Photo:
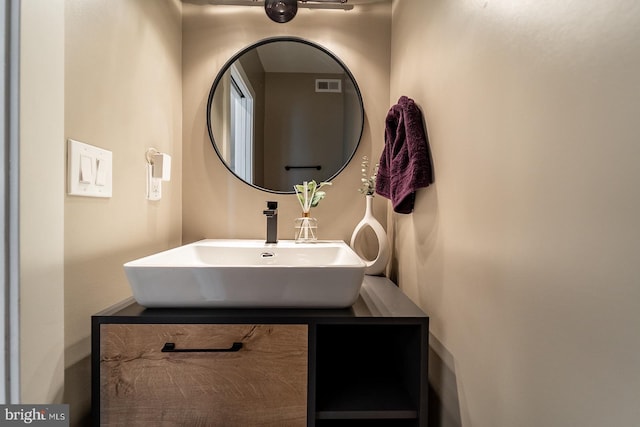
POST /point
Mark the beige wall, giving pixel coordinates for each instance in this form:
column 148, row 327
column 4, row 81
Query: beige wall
column 123, row 93
column 218, row 205
column 525, row 251
column 42, row 169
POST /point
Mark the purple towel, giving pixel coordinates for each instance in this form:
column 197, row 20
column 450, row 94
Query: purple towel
column 405, row 165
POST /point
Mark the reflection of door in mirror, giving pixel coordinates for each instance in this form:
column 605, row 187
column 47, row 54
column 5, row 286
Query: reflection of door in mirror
column 241, row 110
column 238, row 109
column 235, row 104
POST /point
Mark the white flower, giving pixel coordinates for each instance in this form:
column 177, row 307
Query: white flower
column 368, row 186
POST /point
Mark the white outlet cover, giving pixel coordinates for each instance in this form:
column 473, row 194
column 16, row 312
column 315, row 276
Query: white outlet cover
column 89, row 170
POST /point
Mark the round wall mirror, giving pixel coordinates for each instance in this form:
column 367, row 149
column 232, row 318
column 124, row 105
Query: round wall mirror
column 282, row 111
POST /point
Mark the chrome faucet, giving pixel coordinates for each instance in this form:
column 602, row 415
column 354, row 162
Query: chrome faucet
column 272, row 222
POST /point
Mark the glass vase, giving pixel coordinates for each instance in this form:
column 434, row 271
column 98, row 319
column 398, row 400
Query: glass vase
column 306, row 228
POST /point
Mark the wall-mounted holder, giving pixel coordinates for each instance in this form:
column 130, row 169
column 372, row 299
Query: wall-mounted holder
column 158, row 170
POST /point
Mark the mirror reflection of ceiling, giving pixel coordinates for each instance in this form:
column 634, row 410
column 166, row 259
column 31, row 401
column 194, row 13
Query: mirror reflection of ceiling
column 296, row 58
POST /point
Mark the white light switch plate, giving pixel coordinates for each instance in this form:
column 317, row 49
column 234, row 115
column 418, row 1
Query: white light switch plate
column 89, row 170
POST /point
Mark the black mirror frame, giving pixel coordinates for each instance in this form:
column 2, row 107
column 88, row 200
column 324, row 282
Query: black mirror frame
column 257, row 44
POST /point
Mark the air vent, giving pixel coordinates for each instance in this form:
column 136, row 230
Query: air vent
column 329, row 85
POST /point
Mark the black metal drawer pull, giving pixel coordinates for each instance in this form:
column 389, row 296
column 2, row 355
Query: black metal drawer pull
column 170, row 347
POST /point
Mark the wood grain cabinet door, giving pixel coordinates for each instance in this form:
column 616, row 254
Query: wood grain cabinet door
column 263, row 383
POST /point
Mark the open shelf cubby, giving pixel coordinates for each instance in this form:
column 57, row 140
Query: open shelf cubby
column 368, row 374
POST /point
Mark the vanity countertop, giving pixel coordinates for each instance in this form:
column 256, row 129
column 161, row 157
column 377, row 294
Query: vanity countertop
column 379, row 298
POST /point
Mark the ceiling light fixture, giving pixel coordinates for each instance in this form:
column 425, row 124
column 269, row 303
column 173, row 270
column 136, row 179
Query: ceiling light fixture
column 325, row 4
column 324, row 1
column 281, row 11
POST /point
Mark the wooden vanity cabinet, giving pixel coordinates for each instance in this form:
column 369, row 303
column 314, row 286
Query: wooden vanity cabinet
column 361, row 366
column 203, row 375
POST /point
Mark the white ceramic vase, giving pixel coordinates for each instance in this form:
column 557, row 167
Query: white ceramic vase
column 377, row 265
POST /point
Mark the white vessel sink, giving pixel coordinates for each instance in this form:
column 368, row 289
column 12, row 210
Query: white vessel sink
column 248, row 273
